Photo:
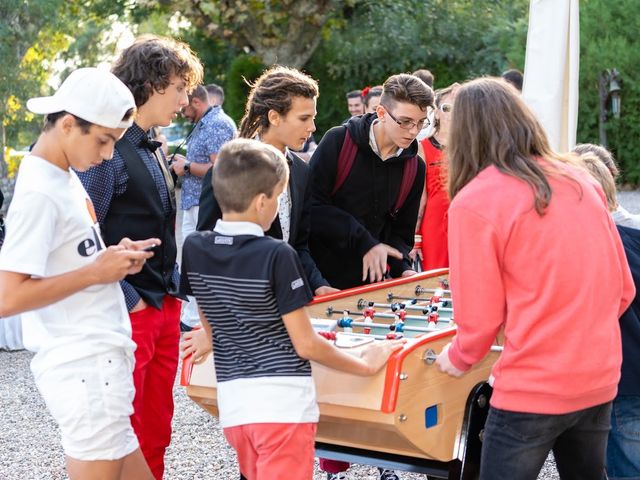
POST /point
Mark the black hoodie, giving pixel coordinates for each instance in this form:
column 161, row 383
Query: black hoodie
column 358, row 217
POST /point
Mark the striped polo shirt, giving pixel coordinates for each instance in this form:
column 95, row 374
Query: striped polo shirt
column 244, row 283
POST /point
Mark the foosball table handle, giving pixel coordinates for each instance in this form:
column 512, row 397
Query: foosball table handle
column 430, row 356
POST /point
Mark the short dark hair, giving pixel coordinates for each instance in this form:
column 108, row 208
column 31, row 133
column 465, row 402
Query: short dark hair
column 200, row 93
column 244, row 169
column 148, row 64
column 514, row 77
column 372, row 93
column 51, row 119
column 425, row 75
column 406, row 88
column 355, row 94
column 215, row 91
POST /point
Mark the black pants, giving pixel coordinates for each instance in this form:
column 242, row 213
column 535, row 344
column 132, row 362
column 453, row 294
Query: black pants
column 516, row 445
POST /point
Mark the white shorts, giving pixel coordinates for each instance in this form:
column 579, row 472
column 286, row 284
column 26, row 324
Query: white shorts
column 91, row 400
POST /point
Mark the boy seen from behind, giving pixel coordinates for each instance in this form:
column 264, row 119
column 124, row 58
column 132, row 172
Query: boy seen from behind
column 252, row 291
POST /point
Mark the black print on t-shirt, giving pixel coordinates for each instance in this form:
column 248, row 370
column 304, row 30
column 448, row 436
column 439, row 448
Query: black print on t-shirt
column 90, row 246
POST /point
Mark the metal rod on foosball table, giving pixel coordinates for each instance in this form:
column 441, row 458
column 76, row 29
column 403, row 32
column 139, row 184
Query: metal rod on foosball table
column 414, row 300
column 421, row 308
column 420, row 290
column 330, row 312
column 385, row 325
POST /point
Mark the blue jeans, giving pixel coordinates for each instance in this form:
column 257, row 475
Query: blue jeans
column 623, row 449
column 516, row 445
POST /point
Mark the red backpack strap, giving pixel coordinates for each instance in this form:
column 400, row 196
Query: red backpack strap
column 345, row 161
column 408, row 177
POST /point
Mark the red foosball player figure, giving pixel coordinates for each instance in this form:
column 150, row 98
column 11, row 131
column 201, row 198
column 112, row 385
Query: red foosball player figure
column 433, row 318
column 392, row 335
column 434, row 299
column 369, row 311
column 368, row 314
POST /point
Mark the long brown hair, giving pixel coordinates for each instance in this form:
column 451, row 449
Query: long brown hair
column 274, row 90
column 491, row 125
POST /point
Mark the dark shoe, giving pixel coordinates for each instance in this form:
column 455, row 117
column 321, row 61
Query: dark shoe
column 337, row 476
column 385, row 474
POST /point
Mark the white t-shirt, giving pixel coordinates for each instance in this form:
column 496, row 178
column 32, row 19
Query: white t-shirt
column 53, row 230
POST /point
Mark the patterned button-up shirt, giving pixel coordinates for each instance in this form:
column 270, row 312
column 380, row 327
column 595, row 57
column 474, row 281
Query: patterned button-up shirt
column 109, row 180
column 212, row 131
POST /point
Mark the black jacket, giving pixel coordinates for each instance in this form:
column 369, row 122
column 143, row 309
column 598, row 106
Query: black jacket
column 138, row 214
column 630, row 320
column 210, row 212
column 358, row 217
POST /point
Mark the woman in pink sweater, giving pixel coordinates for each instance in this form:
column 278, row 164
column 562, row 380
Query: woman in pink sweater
column 533, row 252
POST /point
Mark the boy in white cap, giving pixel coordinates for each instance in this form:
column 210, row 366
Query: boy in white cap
column 55, row 266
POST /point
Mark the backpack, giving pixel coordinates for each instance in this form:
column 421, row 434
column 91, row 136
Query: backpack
column 345, row 164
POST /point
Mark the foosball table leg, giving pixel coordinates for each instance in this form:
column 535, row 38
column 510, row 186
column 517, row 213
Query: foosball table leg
column 467, row 466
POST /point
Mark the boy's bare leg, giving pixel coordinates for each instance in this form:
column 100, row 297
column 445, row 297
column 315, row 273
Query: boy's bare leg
column 135, row 467
column 131, row 467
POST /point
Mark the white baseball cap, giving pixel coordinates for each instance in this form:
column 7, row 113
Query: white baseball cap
column 94, row 95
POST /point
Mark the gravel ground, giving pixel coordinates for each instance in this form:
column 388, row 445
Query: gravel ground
column 30, row 446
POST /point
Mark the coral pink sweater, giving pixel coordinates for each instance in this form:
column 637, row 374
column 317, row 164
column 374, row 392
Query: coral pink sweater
column 557, row 283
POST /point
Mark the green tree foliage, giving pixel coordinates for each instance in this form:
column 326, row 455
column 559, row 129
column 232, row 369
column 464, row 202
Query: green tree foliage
column 244, row 70
column 278, row 31
column 35, row 34
column 25, row 54
column 608, row 31
column 456, row 40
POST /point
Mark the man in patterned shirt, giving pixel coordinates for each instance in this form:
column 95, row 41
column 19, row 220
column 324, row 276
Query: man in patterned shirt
column 212, row 129
column 133, row 196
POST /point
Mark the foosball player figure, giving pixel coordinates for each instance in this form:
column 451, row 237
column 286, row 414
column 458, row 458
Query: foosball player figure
column 435, row 299
column 392, row 335
column 369, row 311
column 346, row 322
column 368, row 314
column 331, row 336
column 433, row 318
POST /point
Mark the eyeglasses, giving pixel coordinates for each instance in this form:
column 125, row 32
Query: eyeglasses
column 446, row 107
column 409, row 124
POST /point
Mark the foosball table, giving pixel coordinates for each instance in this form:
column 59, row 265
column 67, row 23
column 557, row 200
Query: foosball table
column 409, row 416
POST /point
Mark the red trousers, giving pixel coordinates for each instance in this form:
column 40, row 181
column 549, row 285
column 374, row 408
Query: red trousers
column 268, row 451
column 156, row 333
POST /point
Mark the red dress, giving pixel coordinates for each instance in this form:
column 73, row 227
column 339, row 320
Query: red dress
column 435, row 253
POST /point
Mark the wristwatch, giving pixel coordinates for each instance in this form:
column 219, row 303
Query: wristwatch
column 187, row 167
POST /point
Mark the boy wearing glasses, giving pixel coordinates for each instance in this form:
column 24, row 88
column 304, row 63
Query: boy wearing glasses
column 362, row 226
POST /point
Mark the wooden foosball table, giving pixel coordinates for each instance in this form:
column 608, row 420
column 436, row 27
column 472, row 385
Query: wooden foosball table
column 409, row 416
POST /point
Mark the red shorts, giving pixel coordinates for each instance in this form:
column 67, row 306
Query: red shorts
column 274, row 450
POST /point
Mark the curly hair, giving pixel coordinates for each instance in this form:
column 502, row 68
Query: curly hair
column 148, row 65
column 274, row 90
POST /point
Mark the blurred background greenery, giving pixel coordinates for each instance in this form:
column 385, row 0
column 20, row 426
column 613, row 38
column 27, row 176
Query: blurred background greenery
column 344, row 44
